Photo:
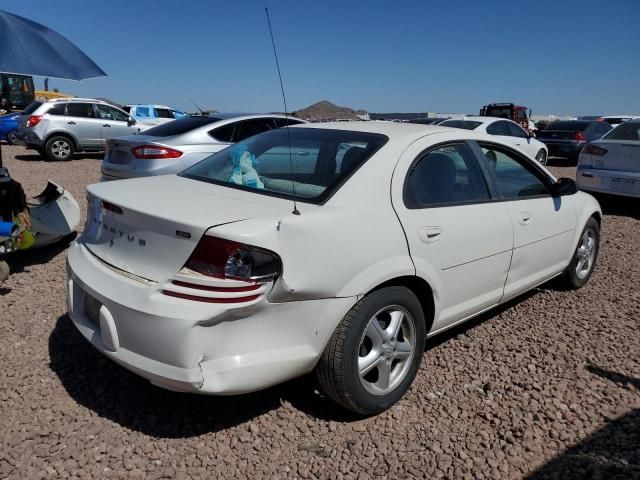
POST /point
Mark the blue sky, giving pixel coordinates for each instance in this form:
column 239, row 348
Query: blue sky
column 566, row 57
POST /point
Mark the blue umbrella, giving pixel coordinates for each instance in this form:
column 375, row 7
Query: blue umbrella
column 28, row 48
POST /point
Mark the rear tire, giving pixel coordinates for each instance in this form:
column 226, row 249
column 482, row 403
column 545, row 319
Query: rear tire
column 541, row 157
column 373, row 355
column 581, row 267
column 12, row 137
column 59, row 148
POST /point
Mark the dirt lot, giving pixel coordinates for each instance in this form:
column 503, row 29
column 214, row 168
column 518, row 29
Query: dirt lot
column 545, row 387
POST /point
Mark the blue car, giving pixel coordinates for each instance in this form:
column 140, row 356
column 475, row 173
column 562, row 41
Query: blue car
column 9, row 127
column 155, row 114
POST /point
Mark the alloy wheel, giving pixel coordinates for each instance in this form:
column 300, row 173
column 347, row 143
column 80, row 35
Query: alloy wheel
column 586, row 253
column 386, row 350
column 61, row 149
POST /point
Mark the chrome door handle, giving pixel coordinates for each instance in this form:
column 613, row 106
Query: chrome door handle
column 430, row 234
column 525, row 218
column 71, row 123
column 106, row 125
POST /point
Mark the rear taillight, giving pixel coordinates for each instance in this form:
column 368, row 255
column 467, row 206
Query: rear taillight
column 149, row 152
column 33, row 120
column 579, row 136
column 225, row 259
column 594, row 150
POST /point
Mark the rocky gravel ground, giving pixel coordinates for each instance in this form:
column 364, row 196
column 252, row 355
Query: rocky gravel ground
column 544, row 387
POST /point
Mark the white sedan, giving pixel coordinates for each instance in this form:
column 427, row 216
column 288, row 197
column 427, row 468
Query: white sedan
column 335, row 248
column 505, row 131
column 612, row 163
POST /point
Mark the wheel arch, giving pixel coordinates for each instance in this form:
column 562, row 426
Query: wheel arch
column 62, row 134
column 421, row 289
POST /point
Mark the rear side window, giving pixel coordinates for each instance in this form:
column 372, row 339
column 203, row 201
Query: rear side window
column 515, row 130
column 224, row 133
column 84, row 110
column 32, row 107
column 249, row 128
column 513, row 178
column 445, row 176
column 180, row 126
column 57, row 109
column 499, row 128
column 464, row 124
column 282, row 122
column 625, row 131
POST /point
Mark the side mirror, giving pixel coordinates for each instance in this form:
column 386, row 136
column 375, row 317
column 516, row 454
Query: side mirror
column 564, row 186
column 131, row 121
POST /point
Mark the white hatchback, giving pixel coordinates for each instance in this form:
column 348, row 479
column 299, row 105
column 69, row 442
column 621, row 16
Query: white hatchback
column 330, row 247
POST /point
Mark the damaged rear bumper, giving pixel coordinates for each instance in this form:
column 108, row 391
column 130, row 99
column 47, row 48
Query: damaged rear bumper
column 192, row 346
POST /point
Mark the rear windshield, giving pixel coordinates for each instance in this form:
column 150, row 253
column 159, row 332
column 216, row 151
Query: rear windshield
column 625, row 131
column 616, row 120
column 32, row 107
column 180, row 126
column 569, row 126
column 302, row 163
column 466, row 124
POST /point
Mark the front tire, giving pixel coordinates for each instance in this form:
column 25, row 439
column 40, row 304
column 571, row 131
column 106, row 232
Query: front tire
column 373, row 355
column 584, row 258
column 59, row 148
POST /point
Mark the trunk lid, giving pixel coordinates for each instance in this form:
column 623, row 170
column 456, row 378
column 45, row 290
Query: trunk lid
column 622, row 156
column 151, row 225
column 119, row 149
column 553, row 135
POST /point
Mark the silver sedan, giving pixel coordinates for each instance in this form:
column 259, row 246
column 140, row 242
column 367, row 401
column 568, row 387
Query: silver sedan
column 174, row 146
column 612, row 163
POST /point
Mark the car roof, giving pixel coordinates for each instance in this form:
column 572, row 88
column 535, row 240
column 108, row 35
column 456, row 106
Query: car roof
column 480, row 118
column 393, row 130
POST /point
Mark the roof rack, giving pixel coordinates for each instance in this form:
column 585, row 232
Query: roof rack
column 76, row 99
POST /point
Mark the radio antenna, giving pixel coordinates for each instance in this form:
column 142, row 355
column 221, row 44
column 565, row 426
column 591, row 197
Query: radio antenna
column 286, row 112
column 202, row 112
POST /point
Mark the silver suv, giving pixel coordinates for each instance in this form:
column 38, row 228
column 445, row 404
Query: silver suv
column 59, row 128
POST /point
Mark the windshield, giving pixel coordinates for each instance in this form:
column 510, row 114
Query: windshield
column 315, row 165
column 179, row 126
column 501, row 112
column 465, row 124
column 625, row 131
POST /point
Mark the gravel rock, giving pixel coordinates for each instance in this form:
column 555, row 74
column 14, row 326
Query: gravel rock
column 547, row 386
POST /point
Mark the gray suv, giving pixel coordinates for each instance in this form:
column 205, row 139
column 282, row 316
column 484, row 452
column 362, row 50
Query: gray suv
column 59, row 128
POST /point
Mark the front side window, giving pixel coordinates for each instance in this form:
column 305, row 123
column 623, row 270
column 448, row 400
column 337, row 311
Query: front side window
column 625, row 131
column 499, row 128
column 142, row 112
column 163, row 113
column 83, row 110
column 107, row 112
column 447, row 175
column 516, row 130
column 512, row 179
column 300, row 163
